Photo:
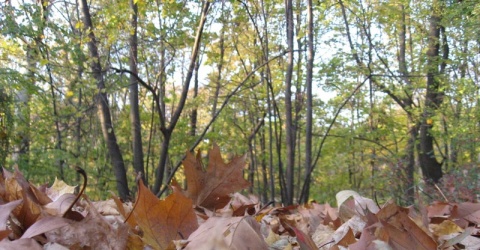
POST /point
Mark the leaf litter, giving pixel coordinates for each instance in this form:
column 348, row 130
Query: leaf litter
column 212, row 214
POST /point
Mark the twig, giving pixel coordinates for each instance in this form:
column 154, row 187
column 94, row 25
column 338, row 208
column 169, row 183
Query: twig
column 439, row 190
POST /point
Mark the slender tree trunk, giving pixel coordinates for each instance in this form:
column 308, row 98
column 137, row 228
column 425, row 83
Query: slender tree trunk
column 409, row 167
column 5, row 125
column 289, row 125
column 304, row 196
column 273, row 132
column 168, row 130
column 431, row 168
column 136, row 130
column 194, row 114
column 103, row 110
column 265, row 171
column 218, row 81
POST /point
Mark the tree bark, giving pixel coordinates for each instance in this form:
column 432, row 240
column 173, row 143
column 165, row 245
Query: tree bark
column 133, row 97
column 431, row 167
column 304, row 196
column 289, row 125
column 103, row 110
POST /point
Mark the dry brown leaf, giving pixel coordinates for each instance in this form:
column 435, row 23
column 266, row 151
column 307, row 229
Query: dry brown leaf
column 126, row 215
column 313, row 215
column 241, row 205
column 59, row 188
column 331, row 217
column 30, row 190
column 228, row 233
column 44, row 225
column 400, row 231
column 211, row 187
column 304, row 240
column 164, row 221
column 60, row 205
column 439, row 209
column 28, row 243
column 467, row 211
column 365, row 242
column 347, row 239
column 4, row 234
column 13, row 190
column 94, row 231
column 5, row 211
column 246, row 235
column 29, row 213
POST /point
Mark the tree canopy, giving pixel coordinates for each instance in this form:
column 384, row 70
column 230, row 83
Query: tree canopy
column 377, row 96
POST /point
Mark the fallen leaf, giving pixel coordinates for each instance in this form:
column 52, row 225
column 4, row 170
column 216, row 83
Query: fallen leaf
column 348, row 239
column 304, row 240
column 467, row 211
column 164, row 221
column 5, row 211
column 28, row 243
column 366, row 242
column 400, row 231
column 121, row 209
column 60, row 205
column 457, row 239
column 439, row 209
column 211, row 187
column 361, row 203
column 92, row 232
column 444, row 228
column 44, row 225
column 246, row 235
column 4, row 234
column 59, row 188
column 228, row 233
column 29, row 213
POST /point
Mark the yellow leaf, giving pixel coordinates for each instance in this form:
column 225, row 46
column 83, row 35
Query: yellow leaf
column 445, row 228
column 69, row 94
column 79, row 25
column 43, row 62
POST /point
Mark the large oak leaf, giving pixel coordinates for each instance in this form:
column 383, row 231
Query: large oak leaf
column 211, row 187
column 164, row 221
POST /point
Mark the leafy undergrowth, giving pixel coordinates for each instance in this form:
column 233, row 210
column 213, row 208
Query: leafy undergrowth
column 211, row 214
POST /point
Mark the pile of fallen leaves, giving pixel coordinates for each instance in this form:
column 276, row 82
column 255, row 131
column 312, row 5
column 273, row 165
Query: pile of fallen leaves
column 211, row 214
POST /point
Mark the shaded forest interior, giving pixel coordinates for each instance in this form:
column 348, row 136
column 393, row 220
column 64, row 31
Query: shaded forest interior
column 381, row 97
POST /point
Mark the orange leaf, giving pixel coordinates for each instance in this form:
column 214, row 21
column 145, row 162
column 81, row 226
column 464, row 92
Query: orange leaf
column 164, row 221
column 211, row 188
column 468, row 211
column 401, row 231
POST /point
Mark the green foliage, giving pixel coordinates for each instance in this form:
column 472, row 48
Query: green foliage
column 365, row 148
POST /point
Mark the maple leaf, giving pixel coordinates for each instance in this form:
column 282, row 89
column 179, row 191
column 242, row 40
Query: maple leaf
column 5, row 210
column 227, row 233
column 211, row 187
column 94, row 231
column 58, row 188
column 400, row 231
column 164, row 221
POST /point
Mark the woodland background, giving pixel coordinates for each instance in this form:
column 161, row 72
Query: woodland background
column 377, row 96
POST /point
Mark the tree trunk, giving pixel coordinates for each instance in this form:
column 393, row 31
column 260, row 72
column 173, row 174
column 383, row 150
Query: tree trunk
column 133, row 96
column 265, row 171
column 304, row 196
column 289, row 126
column 168, row 130
column 103, row 110
column 431, row 168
